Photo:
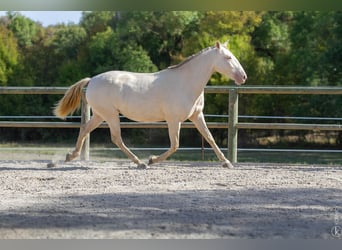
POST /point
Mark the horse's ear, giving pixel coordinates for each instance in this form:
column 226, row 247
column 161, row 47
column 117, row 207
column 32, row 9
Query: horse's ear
column 218, row 45
column 226, row 43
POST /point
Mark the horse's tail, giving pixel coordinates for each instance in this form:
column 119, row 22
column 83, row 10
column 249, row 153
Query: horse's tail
column 71, row 99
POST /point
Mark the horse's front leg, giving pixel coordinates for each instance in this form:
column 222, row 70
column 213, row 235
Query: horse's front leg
column 198, row 120
column 174, row 128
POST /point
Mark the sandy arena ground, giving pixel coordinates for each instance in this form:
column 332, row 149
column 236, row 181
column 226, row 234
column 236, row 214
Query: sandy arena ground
column 113, row 199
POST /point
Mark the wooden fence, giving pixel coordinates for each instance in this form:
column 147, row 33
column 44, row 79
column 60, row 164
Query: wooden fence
column 232, row 124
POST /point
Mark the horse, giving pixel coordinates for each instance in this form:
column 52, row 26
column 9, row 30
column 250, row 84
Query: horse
column 174, row 95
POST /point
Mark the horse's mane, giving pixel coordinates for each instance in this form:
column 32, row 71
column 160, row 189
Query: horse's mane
column 190, row 58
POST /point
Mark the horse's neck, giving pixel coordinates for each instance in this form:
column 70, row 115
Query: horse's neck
column 197, row 72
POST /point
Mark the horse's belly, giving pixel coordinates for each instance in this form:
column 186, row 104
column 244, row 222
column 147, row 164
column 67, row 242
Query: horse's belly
column 143, row 112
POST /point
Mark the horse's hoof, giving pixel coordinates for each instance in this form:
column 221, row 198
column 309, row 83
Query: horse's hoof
column 51, row 164
column 68, row 157
column 142, row 166
column 152, row 159
column 227, row 164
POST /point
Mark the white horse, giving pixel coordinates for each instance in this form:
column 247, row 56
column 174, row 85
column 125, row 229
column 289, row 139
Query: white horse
column 172, row 95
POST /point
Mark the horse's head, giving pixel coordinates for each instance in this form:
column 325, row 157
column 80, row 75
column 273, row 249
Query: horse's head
column 228, row 65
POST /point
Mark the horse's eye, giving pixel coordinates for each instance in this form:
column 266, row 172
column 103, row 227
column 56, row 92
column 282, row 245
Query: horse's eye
column 228, row 57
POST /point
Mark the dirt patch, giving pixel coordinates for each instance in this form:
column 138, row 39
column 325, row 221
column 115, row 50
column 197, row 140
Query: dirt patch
column 113, row 199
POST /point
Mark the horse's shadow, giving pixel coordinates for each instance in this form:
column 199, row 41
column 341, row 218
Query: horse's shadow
column 43, row 169
column 43, row 166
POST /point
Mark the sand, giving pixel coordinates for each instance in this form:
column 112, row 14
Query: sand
column 112, row 199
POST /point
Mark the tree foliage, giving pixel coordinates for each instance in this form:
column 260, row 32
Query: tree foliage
column 24, row 28
column 274, row 47
column 8, row 54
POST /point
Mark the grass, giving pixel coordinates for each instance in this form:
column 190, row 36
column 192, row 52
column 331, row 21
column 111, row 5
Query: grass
column 257, row 157
column 98, row 152
column 291, row 157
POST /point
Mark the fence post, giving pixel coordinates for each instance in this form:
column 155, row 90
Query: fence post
column 232, row 130
column 85, row 117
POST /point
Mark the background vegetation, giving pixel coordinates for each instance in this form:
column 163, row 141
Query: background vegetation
column 275, row 48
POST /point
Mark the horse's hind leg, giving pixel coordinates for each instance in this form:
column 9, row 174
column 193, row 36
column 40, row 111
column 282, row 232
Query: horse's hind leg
column 115, row 131
column 93, row 123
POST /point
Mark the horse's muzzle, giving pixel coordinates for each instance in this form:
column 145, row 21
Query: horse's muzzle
column 241, row 79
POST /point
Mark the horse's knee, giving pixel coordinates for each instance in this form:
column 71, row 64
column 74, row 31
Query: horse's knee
column 174, row 144
column 174, row 148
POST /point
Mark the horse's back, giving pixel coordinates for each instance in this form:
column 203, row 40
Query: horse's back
column 134, row 95
column 112, row 82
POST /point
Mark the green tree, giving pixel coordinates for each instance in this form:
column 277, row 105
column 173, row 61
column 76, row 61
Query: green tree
column 67, row 40
column 160, row 33
column 67, row 45
column 97, row 21
column 237, row 27
column 9, row 54
column 315, row 60
column 102, row 48
column 24, row 28
column 135, row 58
column 108, row 52
column 319, row 44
